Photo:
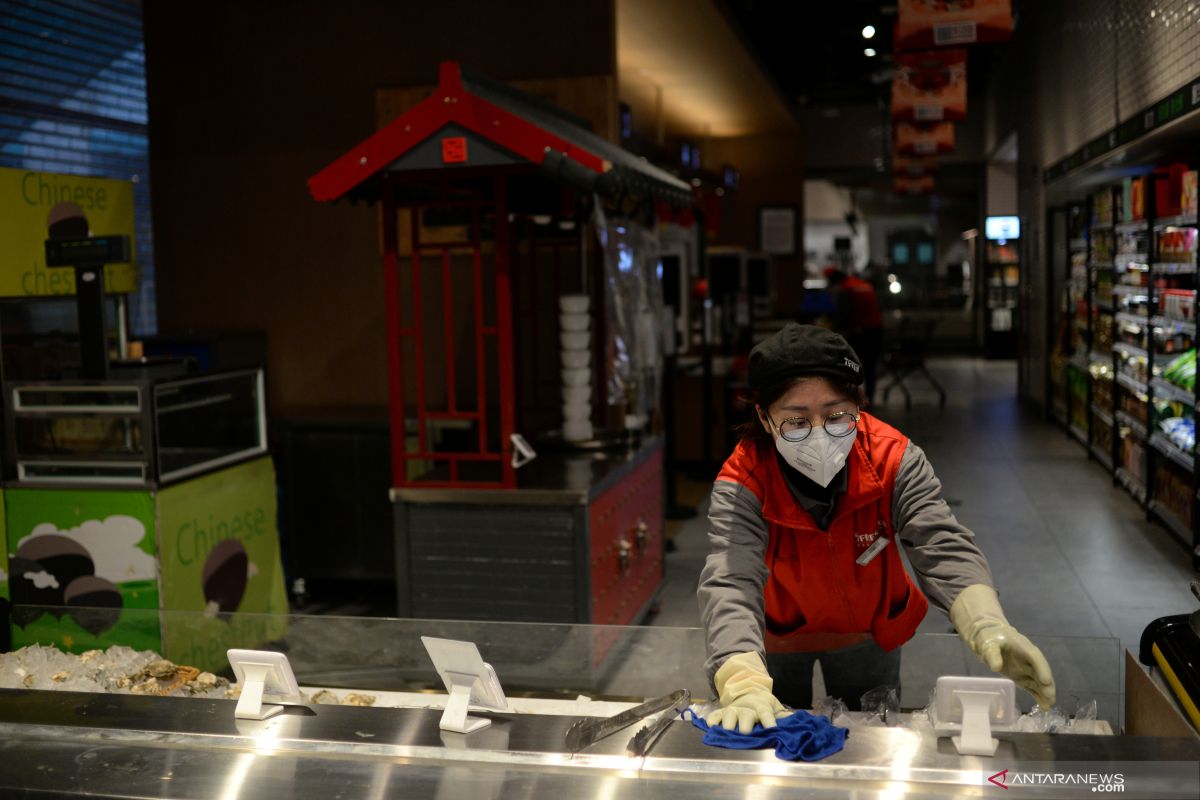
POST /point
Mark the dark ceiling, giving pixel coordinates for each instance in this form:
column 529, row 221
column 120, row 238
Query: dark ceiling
column 814, row 49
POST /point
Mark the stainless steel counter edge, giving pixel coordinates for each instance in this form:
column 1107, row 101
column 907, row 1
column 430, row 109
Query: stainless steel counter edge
column 531, row 742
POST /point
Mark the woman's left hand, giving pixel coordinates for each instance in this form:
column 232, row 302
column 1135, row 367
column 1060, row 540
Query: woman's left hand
column 982, row 625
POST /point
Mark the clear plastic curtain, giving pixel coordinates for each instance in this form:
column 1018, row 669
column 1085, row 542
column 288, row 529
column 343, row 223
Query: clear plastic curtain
column 633, row 278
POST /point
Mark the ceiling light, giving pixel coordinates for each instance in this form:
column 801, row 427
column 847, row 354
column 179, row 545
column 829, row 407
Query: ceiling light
column 869, row 52
column 869, row 32
column 894, row 288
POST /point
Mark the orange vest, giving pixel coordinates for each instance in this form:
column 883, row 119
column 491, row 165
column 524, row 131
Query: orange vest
column 816, row 596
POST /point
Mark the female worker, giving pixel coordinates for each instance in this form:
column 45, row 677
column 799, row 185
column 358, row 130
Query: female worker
column 806, row 523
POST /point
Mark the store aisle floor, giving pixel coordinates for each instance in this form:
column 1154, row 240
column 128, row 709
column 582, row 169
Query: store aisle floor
column 1071, row 554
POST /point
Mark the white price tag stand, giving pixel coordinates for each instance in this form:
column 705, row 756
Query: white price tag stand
column 260, row 673
column 469, row 680
column 972, row 707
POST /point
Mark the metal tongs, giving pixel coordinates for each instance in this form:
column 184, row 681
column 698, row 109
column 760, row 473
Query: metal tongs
column 587, row 732
column 645, row 738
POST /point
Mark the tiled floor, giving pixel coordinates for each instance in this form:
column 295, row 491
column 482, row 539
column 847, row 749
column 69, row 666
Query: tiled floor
column 1072, row 555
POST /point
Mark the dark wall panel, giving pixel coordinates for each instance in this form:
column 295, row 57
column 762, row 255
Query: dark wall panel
column 247, row 100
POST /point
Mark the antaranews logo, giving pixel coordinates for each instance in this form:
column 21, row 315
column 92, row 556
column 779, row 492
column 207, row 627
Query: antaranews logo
column 1098, row 782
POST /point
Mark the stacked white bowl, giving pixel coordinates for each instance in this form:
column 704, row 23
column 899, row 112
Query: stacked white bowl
column 576, row 340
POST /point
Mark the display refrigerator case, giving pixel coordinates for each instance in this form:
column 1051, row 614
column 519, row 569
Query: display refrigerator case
column 140, row 432
column 1002, row 287
column 1129, row 355
column 142, row 492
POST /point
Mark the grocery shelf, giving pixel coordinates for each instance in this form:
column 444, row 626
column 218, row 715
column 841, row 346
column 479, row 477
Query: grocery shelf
column 1130, row 350
column 1174, row 268
column 1187, row 326
column 1102, row 226
column 1079, row 433
column 1102, row 306
column 1102, row 415
column 1135, row 425
column 1078, row 362
column 1126, row 318
column 1121, row 290
column 1131, row 484
column 1169, row 449
column 1168, row 518
column 1163, row 388
column 1096, row 357
column 1078, row 244
column 1101, row 456
column 1181, row 221
column 1130, row 227
column 1101, row 265
column 1131, row 383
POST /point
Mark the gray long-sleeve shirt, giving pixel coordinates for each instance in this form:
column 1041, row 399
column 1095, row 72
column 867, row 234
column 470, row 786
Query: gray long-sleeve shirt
column 941, row 551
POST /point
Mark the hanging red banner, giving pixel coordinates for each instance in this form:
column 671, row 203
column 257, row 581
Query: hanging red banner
column 924, row 138
column 903, row 184
column 930, row 86
column 913, row 167
column 943, row 23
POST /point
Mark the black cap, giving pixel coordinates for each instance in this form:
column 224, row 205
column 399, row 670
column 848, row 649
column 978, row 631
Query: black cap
column 798, row 351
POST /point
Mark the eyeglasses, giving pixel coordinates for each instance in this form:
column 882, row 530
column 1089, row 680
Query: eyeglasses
column 797, row 429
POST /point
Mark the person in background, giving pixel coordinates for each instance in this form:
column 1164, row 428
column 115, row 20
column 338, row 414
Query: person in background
column 807, row 519
column 858, row 318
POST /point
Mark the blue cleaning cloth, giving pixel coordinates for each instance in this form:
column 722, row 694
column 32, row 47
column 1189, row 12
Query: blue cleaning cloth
column 799, row 737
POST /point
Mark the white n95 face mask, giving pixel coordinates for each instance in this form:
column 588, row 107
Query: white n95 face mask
column 820, row 456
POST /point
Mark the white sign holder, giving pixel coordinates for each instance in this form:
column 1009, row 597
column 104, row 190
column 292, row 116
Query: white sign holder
column 972, row 706
column 262, row 672
column 469, row 680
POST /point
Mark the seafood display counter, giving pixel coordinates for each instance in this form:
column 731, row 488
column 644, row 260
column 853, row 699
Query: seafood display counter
column 384, row 739
column 125, row 746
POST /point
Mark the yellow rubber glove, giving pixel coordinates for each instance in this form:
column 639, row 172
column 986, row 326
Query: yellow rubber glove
column 980, row 622
column 744, row 689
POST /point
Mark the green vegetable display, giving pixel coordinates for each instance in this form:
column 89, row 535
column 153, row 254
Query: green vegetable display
column 1182, row 371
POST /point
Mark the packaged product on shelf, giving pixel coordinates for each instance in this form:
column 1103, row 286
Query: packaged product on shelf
column 1167, row 409
column 1181, row 431
column 1137, row 198
column 1182, row 370
column 1102, row 209
column 1177, row 303
column 1134, row 405
column 1177, row 245
column 1173, row 490
column 1102, row 338
column 1133, row 457
column 1102, row 436
column 1188, row 201
column 1168, row 189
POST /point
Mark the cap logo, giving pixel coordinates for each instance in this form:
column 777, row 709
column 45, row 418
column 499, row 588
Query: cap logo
column 852, row 365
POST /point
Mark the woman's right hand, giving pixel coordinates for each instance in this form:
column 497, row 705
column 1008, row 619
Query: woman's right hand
column 744, row 689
